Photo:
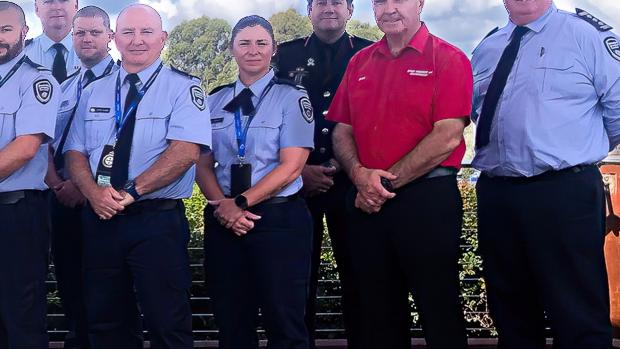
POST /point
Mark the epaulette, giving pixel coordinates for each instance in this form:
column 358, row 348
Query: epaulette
column 597, row 23
column 219, row 88
column 291, row 42
column 36, row 66
column 77, row 72
column 280, row 81
column 28, row 42
column 486, row 36
column 184, row 73
column 361, row 40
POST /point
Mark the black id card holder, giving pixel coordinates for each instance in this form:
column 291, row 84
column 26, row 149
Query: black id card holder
column 104, row 168
column 240, row 178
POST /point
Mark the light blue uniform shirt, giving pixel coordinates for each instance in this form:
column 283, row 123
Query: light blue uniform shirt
column 173, row 108
column 40, row 51
column 281, row 121
column 28, row 106
column 561, row 104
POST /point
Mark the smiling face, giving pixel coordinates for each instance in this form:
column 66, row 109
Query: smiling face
column 139, row 37
column 398, row 17
column 56, row 15
column 522, row 12
column 252, row 49
column 12, row 34
column 90, row 40
column 329, row 15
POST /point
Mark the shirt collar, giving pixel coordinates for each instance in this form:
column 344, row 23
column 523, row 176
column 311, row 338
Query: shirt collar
column 417, row 42
column 145, row 74
column 537, row 26
column 6, row 67
column 47, row 43
column 257, row 87
column 100, row 67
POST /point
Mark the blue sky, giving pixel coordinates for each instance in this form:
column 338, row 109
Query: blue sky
column 462, row 22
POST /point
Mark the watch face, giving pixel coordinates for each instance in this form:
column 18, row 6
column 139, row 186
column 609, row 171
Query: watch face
column 128, row 185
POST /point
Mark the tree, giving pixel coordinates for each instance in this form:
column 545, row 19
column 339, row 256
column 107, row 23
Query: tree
column 364, row 30
column 200, row 47
column 289, row 25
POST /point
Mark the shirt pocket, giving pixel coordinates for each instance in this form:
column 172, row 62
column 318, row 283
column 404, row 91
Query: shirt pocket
column 152, row 126
column 555, row 76
column 264, row 139
column 97, row 128
column 224, row 140
column 8, row 110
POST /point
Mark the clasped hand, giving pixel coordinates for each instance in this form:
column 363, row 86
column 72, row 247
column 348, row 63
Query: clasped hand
column 107, row 202
column 371, row 195
column 229, row 215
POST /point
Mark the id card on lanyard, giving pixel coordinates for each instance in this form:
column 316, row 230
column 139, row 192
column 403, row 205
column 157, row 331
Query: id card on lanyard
column 104, row 167
column 241, row 172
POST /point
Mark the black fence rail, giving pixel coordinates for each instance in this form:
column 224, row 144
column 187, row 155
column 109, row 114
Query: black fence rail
column 329, row 317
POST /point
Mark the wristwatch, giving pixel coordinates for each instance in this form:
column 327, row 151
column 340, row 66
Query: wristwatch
column 130, row 188
column 241, row 202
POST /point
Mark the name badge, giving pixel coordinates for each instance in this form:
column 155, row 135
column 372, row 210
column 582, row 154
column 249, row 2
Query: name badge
column 104, row 169
column 240, row 178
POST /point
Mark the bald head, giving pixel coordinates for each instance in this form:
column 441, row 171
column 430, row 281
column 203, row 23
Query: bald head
column 135, row 11
column 139, row 37
column 19, row 12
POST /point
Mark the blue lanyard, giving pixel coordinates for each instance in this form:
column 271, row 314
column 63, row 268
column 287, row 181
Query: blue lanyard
column 118, row 115
column 242, row 132
column 12, row 71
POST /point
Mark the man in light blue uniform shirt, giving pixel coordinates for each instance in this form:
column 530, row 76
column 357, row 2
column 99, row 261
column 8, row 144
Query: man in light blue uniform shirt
column 28, row 104
column 92, row 35
column 547, row 108
column 134, row 162
column 53, row 49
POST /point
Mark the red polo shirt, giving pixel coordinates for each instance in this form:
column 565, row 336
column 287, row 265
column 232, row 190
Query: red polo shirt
column 393, row 102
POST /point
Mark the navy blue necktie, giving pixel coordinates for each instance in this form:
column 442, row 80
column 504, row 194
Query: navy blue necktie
column 496, row 87
column 89, row 76
column 243, row 101
column 122, row 149
column 59, row 67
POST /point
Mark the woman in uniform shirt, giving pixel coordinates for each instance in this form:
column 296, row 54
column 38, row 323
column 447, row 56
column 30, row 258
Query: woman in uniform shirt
column 258, row 231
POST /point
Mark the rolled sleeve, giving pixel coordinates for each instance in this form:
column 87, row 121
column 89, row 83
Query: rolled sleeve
column 297, row 123
column 38, row 112
column 190, row 119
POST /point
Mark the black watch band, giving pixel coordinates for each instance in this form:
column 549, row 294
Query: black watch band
column 130, row 188
column 241, row 202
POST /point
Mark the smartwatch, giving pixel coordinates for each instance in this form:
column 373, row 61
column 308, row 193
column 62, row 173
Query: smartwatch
column 241, row 202
column 130, row 188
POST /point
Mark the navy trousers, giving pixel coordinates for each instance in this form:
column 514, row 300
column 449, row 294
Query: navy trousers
column 24, row 246
column 541, row 240
column 267, row 269
column 143, row 256
column 67, row 256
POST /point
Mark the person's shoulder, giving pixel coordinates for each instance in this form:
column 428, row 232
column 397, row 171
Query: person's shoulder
column 221, row 88
column 448, row 51
column 585, row 21
column 36, row 69
column 360, row 42
column 180, row 75
column 292, row 45
column 288, row 84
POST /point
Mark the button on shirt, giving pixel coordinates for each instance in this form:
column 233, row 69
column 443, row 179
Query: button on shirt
column 392, row 102
column 40, row 51
column 172, row 109
column 279, row 123
column 561, row 104
column 28, row 105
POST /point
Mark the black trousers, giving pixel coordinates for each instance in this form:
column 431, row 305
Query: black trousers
column 541, row 240
column 24, row 246
column 145, row 251
column 67, row 256
column 411, row 245
column 267, row 269
column 332, row 206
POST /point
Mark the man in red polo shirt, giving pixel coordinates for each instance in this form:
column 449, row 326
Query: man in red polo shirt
column 402, row 107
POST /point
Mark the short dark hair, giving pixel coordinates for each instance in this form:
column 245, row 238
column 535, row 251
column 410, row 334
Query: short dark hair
column 91, row 12
column 349, row 2
column 252, row 21
column 6, row 5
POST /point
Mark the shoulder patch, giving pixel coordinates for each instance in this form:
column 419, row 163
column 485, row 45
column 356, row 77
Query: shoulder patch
column 43, row 90
column 306, row 109
column 198, row 97
column 597, row 23
column 613, row 47
column 180, row 72
column 28, row 42
column 280, row 81
column 36, row 66
column 219, row 88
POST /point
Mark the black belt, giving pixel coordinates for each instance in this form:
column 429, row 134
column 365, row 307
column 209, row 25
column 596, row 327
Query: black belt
column 13, row 197
column 151, row 205
column 544, row 175
column 274, row 200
